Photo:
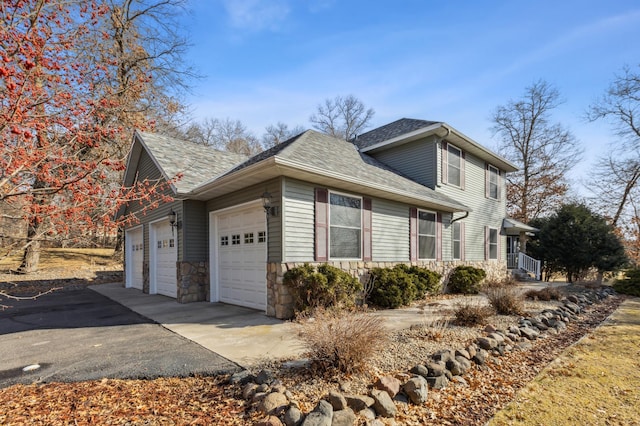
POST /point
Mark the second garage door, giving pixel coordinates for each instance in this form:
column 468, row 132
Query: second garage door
column 242, row 256
column 164, row 255
column 135, row 258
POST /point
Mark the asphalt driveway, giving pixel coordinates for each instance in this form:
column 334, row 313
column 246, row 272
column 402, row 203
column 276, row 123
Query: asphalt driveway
column 82, row 335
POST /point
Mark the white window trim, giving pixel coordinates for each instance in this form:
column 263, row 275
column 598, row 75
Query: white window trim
column 435, row 235
column 453, row 240
column 449, row 145
column 497, row 243
column 344, row 194
column 497, row 170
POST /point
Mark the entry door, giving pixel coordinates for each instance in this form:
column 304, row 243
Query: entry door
column 135, row 258
column 165, row 250
column 242, row 255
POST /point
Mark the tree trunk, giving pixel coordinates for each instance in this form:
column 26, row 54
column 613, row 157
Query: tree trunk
column 119, row 241
column 31, row 254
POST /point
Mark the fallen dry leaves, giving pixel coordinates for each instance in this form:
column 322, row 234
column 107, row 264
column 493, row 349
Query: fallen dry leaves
column 208, row 401
column 173, row 401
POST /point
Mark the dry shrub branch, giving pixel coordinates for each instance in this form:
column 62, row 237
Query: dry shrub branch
column 342, row 340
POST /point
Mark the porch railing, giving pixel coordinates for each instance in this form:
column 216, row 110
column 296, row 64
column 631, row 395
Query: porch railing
column 529, row 264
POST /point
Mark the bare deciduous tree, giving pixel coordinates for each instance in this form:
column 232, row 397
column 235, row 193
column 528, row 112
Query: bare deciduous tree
column 543, row 151
column 280, row 132
column 615, row 181
column 342, row 117
column 225, row 135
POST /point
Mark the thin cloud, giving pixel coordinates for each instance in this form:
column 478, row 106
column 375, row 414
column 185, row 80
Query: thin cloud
column 257, row 15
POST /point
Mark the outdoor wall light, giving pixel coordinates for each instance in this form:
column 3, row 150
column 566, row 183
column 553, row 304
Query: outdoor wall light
column 267, row 203
column 173, row 219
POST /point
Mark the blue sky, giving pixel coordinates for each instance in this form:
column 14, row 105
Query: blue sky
column 266, row 61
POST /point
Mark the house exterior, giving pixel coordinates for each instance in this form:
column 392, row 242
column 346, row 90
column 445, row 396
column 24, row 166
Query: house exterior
column 413, row 191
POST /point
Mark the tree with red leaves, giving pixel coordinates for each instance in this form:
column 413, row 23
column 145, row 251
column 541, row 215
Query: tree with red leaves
column 75, row 78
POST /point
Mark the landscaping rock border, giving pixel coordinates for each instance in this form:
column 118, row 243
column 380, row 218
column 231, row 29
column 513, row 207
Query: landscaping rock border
column 438, row 370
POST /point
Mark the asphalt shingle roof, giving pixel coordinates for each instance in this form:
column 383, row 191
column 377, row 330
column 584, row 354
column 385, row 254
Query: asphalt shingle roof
column 391, row 130
column 340, row 157
column 197, row 163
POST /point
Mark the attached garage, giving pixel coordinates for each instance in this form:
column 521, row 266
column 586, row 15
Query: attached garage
column 134, row 257
column 240, row 256
column 163, row 258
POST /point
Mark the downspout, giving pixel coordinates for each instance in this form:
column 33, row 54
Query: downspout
column 466, row 214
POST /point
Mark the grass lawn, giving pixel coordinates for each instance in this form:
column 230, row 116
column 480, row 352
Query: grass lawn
column 595, row 382
column 70, row 258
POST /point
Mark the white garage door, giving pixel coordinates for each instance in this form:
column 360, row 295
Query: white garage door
column 135, row 258
column 242, row 256
column 163, row 260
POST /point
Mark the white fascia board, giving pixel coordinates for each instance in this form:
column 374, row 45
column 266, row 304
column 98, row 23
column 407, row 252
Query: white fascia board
column 406, row 137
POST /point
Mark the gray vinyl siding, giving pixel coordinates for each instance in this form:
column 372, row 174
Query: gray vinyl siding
column 195, row 228
column 298, row 219
column 416, row 160
column 254, row 193
column 485, row 211
column 148, row 170
column 390, row 231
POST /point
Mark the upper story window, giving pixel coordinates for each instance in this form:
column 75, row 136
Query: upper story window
column 345, row 233
column 454, row 165
column 426, row 235
column 493, row 179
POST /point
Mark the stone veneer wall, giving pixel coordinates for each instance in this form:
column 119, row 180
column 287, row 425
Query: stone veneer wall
column 280, row 301
column 145, row 277
column 193, row 282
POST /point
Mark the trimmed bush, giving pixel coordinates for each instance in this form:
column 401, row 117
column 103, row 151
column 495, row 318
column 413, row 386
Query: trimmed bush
column 342, row 340
column 401, row 285
column 506, row 301
column 466, row 280
column 630, row 284
column 546, row 294
column 326, row 287
column 469, row 314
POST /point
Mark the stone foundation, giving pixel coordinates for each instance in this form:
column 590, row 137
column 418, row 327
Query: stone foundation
column 193, row 282
column 280, row 301
column 145, row 277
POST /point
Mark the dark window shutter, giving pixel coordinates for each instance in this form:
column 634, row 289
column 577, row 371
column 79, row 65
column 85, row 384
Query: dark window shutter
column 486, row 243
column 413, row 234
column 366, row 230
column 445, row 168
column 487, row 182
column 462, row 241
column 322, row 224
column 438, row 236
column 463, row 166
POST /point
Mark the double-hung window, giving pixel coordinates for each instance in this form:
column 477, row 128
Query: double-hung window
column 345, row 233
column 454, row 165
column 426, row 235
column 492, row 182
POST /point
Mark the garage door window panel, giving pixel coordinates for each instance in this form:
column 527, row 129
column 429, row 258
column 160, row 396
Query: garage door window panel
column 345, row 233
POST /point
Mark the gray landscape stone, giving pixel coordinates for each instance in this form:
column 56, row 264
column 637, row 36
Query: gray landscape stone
column 417, row 389
column 436, row 368
column 383, row 405
column 486, row 343
column 439, row 382
column 420, row 370
column 273, row 402
column 359, row 402
column 337, row 400
column 322, row 415
column 344, row 417
column 481, row 357
column 293, row 416
column 264, row 377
